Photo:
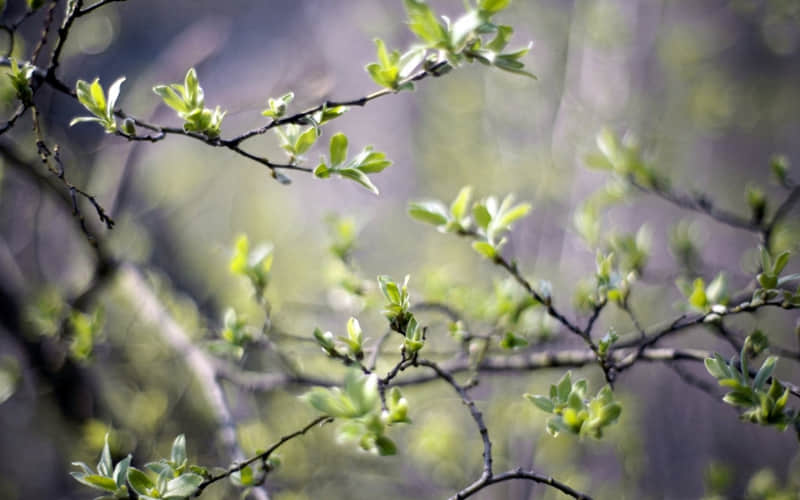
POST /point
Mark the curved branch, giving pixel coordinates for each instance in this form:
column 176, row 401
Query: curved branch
column 262, row 457
column 699, row 204
column 521, row 474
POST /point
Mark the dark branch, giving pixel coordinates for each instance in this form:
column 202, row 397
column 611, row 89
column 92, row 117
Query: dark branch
column 262, row 457
column 522, row 474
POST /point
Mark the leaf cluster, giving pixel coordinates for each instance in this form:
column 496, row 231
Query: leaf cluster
column 358, row 404
column 188, row 100
column 472, row 37
column 489, row 218
column 761, row 403
column 93, row 98
column 235, row 335
column 256, row 264
column 349, row 348
column 21, row 80
column 356, row 168
column 573, row 412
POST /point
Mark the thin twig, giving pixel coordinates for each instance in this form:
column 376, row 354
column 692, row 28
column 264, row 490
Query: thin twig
column 89, row 8
column 699, row 204
column 519, row 473
column 262, row 457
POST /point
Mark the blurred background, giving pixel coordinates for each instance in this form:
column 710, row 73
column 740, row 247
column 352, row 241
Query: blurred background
column 710, row 89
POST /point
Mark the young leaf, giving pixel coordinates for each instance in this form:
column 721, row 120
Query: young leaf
column 360, row 177
column 430, row 212
column 423, row 23
column 306, row 140
column 183, row 486
column 178, row 453
column 493, row 6
column 764, row 372
column 484, row 248
column 338, row 149
column 458, row 209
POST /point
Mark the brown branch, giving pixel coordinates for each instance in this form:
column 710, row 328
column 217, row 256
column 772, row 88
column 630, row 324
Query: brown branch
column 51, row 158
column 522, row 474
column 262, row 457
column 48, row 21
column 49, row 77
column 63, row 33
column 302, row 117
column 699, row 203
column 476, row 416
column 781, row 212
column 571, row 358
column 89, row 8
column 21, row 110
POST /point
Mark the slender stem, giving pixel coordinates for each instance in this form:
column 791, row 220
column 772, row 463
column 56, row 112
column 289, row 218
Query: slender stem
column 90, row 8
column 521, row 474
column 262, row 457
column 699, row 204
column 474, row 412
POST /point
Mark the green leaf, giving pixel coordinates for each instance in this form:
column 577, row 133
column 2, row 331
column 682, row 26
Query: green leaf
column 766, row 260
column 698, row 297
column 484, row 248
column 139, row 481
column 243, row 477
column 171, row 99
column 384, row 59
column 430, row 212
column 541, row 402
column 713, row 367
column 389, row 289
column 338, row 149
column 183, row 485
column 564, row 386
column 327, row 114
column 738, row 399
column 511, row 341
column 329, row 403
column 325, row 340
column 379, row 76
column 493, row 6
column 159, row 468
column 458, row 209
column 178, row 453
column 98, row 98
column 555, row 426
column 322, row 171
column 354, row 334
column 306, row 140
column 512, row 215
column 121, row 471
column 717, row 290
column 423, row 23
column 780, row 167
column 362, row 391
column 373, row 162
column 113, row 95
column 95, row 481
column 105, row 466
column 764, row 372
column 481, row 215
column 780, row 262
column 84, row 119
column 464, row 27
column 501, row 39
column 385, row 446
column 360, row 177
column 409, row 61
